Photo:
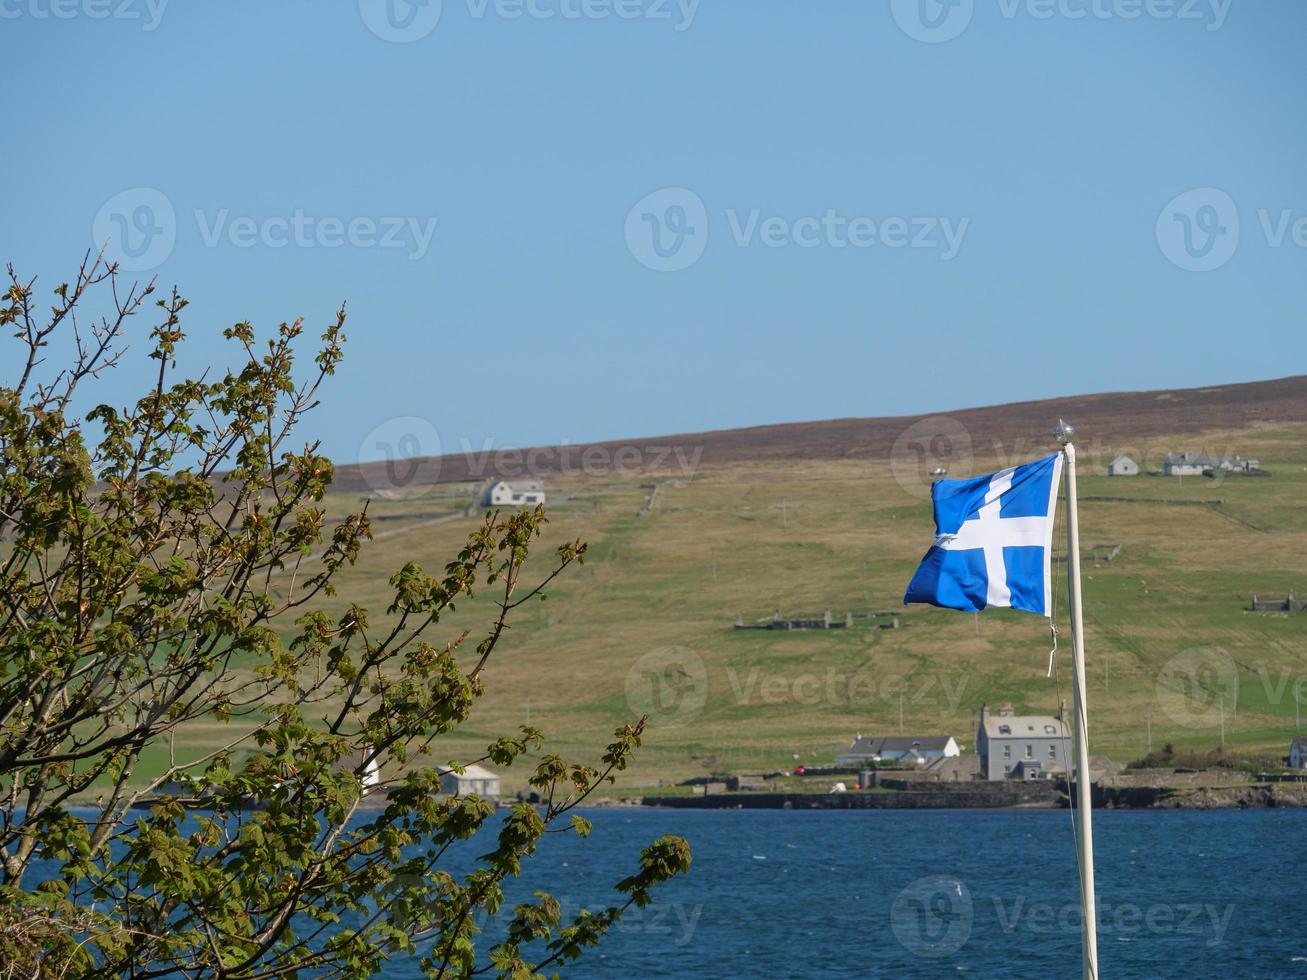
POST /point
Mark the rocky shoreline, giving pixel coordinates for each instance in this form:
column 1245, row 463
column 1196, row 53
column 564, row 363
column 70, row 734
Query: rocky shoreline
column 1197, row 790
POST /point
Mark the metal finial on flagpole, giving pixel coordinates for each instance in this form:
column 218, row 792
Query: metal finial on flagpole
column 1085, row 838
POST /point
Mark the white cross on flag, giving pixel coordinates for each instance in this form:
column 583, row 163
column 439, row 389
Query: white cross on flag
column 993, row 541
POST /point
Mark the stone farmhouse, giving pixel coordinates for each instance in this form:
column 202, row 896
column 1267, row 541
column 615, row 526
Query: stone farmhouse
column 1021, row 746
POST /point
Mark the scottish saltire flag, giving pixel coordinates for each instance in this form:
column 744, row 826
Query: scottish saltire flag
column 993, row 541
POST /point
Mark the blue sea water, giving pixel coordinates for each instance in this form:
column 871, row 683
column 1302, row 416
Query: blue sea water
column 945, row 893
column 932, row 893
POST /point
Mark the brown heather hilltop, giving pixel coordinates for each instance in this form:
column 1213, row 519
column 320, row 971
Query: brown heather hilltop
column 1120, row 419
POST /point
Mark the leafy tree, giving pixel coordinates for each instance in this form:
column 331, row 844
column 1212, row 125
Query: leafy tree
column 165, row 563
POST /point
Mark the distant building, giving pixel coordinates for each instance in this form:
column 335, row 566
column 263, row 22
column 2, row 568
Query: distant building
column 1288, row 604
column 520, row 493
column 1196, row 464
column 1006, row 741
column 473, row 781
column 1123, row 465
column 366, row 760
column 1298, row 753
column 899, row 748
column 1187, row 464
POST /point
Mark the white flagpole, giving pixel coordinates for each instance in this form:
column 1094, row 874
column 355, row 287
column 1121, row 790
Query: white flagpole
column 1085, row 837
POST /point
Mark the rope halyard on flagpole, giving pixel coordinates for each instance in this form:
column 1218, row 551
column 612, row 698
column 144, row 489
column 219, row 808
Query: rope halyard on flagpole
column 1052, row 628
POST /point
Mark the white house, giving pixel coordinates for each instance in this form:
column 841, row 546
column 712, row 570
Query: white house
column 1298, row 753
column 520, row 493
column 1195, row 464
column 1123, row 465
column 473, row 781
column 1188, row 464
column 899, row 748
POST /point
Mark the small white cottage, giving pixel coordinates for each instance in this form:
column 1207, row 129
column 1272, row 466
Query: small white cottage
column 1123, row 465
column 474, row 780
column 521, row 493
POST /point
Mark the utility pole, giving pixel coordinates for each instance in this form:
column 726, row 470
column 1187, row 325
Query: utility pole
column 1148, row 720
column 900, row 712
column 1222, row 721
column 1107, row 670
column 785, row 513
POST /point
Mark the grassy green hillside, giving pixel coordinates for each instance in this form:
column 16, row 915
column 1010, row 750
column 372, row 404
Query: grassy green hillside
column 647, row 624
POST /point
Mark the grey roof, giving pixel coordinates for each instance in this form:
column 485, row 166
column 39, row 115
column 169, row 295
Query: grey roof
column 898, row 743
column 1025, row 726
column 472, row 771
column 524, row 486
column 1192, row 459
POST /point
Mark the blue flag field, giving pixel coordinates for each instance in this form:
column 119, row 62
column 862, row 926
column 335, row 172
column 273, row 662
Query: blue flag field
column 993, row 541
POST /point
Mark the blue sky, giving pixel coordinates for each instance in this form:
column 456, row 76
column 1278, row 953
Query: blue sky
column 565, row 220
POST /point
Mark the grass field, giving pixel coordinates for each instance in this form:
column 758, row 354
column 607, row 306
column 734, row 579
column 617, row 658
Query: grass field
column 646, row 625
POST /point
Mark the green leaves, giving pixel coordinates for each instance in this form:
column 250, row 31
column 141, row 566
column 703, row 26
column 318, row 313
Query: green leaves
column 581, row 825
column 163, row 566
